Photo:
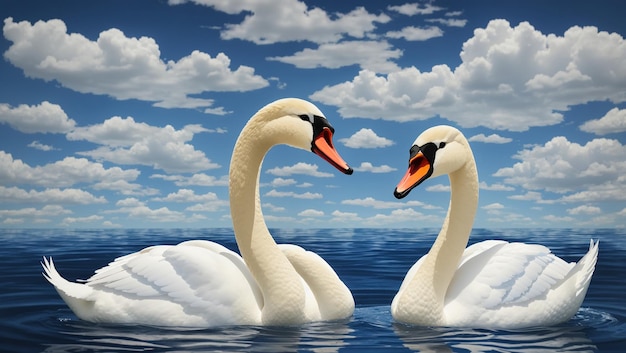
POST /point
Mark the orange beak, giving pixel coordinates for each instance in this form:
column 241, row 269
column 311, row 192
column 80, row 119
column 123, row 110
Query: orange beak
column 420, row 168
column 323, row 147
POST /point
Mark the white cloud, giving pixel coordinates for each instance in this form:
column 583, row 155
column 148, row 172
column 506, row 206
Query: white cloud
column 125, row 188
column 121, row 67
column 366, row 138
column 49, row 196
column 557, row 219
column 412, row 33
column 306, row 195
column 493, row 138
column 450, row 22
column 529, row 196
column 412, row 9
column 273, row 207
column 197, row 179
column 493, row 206
column 32, row 212
column 401, row 215
column 66, row 172
column 268, row 22
column 43, row 118
column 137, row 209
column 584, row 210
column 210, row 206
column 371, row 55
column 188, row 195
column 128, row 142
column 551, row 74
column 279, row 182
column 40, row 146
column 378, row 204
column 613, row 122
column 340, row 217
column 495, row 187
column 299, row 168
column 88, row 219
column 564, row 167
column 369, row 167
column 311, row 213
column 438, row 188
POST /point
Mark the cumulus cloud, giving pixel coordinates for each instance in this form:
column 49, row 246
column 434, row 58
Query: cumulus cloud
column 401, row 215
column 49, row 196
column 590, row 172
column 493, row 206
column 122, row 67
column 67, row 221
column 495, row 187
column 311, row 213
column 40, row 146
column 299, row 168
column 63, row 173
column 135, row 208
column 339, row 216
column 412, row 33
column 369, row 167
column 379, row 204
column 584, row 210
column 197, row 179
column 613, row 122
column 44, row 118
column 279, row 182
column 551, row 73
column 412, row 9
column 125, row 188
column 450, row 22
column 369, row 54
column 270, row 22
column 306, row 195
column 493, row 138
column 128, row 142
column 32, row 212
column 366, row 138
column 187, row 195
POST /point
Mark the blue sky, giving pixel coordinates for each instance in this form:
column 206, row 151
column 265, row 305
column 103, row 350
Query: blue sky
column 124, row 113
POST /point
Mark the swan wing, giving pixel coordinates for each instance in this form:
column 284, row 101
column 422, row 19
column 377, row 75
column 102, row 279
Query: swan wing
column 328, row 298
column 496, row 273
column 202, row 277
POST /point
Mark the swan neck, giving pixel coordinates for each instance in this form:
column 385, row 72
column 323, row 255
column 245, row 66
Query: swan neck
column 452, row 240
column 422, row 301
column 271, row 269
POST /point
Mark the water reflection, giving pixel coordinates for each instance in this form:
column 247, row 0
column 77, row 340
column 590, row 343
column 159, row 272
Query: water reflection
column 325, row 337
column 570, row 338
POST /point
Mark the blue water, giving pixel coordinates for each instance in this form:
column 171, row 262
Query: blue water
column 372, row 262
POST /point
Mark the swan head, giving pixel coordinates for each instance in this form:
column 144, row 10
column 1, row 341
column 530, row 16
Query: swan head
column 299, row 123
column 439, row 150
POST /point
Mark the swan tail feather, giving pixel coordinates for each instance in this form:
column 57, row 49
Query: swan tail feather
column 585, row 267
column 66, row 288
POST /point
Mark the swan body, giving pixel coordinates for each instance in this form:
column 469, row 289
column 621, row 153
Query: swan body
column 200, row 283
column 490, row 284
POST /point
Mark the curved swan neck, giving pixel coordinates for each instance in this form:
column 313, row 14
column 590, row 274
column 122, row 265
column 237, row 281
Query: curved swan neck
column 274, row 274
column 422, row 301
column 453, row 236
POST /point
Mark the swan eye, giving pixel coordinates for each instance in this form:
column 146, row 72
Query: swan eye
column 307, row 117
column 442, row 144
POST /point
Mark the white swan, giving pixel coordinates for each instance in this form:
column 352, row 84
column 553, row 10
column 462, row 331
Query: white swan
column 491, row 284
column 202, row 284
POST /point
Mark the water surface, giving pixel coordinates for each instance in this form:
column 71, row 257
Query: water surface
column 372, row 262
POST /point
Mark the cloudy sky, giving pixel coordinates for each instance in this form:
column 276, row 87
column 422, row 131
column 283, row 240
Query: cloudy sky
column 124, row 113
